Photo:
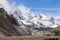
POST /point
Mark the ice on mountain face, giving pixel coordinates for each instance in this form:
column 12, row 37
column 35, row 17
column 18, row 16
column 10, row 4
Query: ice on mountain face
column 54, row 26
column 42, row 16
column 52, row 20
column 57, row 20
column 25, row 16
column 25, row 12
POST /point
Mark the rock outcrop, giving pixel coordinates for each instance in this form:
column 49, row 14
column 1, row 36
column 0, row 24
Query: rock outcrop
column 6, row 27
column 56, row 30
column 12, row 19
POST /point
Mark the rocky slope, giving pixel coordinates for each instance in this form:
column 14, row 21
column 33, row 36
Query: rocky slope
column 6, row 26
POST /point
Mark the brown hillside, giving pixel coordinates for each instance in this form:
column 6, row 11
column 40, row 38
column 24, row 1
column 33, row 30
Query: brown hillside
column 6, row 27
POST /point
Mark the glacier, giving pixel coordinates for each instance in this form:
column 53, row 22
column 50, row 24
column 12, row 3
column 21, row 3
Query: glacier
column 25, row 17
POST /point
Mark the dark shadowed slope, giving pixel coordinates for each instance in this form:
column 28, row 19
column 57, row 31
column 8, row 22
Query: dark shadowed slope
column 5, row 25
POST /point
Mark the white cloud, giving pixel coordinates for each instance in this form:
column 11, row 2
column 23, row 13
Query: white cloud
column 5, row 4
column 57, row 19
column 25, row 11
column 8, row 7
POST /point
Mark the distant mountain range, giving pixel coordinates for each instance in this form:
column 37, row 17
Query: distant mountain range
column 26, row 19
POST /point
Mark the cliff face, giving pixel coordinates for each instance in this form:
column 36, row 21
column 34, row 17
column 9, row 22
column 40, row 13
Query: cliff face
column 12, row 19
column 6, row 27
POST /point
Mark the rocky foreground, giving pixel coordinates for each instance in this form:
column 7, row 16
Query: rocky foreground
column 31, row 38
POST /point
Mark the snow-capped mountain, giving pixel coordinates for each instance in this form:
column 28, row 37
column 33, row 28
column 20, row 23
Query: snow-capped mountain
column 27, row 19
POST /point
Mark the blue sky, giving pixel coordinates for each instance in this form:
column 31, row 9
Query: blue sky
column 48, row 7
